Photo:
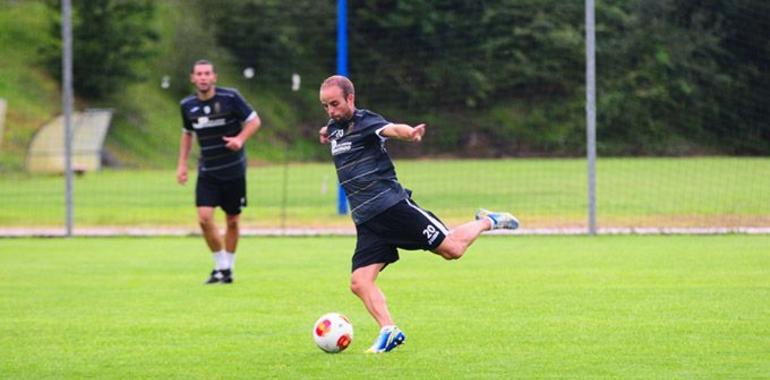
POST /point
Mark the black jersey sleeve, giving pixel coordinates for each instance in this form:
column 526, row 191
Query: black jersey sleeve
column 186, row 122
column 242, row 108
column 371, row 122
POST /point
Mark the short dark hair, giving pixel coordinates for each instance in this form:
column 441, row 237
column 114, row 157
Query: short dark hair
column 203, row 62
column 342, row 82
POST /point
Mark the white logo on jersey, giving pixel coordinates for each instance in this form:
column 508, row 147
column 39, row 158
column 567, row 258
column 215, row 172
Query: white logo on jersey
column 206, row 110
column 338, row 148
column 194, row 109
column 205, row 122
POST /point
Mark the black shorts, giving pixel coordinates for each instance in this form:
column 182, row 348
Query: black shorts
column 229, row 194
column 405, row 225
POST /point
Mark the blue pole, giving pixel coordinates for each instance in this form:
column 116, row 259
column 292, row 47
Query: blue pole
column 342, row 69
column 342, row 38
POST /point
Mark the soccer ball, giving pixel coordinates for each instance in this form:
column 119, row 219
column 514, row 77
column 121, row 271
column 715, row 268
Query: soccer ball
column 333, row 332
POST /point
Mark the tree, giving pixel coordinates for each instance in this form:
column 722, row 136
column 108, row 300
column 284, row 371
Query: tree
column 112, row 40
column 674, row 76
column 276, row 38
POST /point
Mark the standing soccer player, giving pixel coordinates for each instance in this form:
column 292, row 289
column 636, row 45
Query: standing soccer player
column 222, row 121
column 385, row 216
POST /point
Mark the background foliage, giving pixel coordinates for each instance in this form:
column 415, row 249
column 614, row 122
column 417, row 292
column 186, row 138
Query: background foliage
column 112, row 42
column 497, row 78
column 676, row 77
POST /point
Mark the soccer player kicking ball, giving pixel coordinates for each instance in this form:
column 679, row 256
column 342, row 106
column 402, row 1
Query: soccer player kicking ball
column 385, row 216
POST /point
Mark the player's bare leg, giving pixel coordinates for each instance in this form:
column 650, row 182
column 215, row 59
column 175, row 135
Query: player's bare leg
column 362, row 285
column 459, row 239
column 214, row 242
column 232, row 233
column 209, row 228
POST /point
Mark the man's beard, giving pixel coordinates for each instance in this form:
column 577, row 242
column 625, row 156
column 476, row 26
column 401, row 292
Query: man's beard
column 344, row 118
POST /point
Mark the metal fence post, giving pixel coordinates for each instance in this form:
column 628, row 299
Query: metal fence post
column 66, row 31
column 591, row 113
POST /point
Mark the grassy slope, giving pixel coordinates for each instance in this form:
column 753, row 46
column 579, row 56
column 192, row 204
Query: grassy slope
column 146, row 126
column 32, row 96
column 515, row 307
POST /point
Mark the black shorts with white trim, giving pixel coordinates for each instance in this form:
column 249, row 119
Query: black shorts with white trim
column 405, row 225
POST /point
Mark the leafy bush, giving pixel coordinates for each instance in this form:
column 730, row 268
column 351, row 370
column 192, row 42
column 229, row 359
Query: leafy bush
column 112, row 41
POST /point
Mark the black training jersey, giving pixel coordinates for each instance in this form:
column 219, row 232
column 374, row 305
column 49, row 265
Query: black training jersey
column 212, row 119
column 364, row 168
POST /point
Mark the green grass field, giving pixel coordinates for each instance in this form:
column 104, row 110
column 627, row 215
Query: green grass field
column 514, row 307
column 542, row 192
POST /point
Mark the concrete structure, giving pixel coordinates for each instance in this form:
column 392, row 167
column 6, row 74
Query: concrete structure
column 46, row 152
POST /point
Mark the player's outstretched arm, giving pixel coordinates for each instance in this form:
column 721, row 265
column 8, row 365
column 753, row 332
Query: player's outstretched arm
column 404, row 132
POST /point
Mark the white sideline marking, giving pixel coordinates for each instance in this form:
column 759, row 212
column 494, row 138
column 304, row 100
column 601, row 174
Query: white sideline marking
column 130, row 231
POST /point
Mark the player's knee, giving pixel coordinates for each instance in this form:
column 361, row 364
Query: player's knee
column 450, row 251
column 357, row 286
column 453, row 254
column 232, row 224
column 205, row 220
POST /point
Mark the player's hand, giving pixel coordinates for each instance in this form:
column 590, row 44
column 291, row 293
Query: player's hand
column 417, row 132
column 181, row 175
column 323, row 136
column 234, row 143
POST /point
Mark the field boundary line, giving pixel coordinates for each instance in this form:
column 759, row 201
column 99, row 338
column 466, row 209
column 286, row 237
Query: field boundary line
column 170, row 231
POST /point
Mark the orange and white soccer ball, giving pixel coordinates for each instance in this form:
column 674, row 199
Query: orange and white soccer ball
column 333, row 332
